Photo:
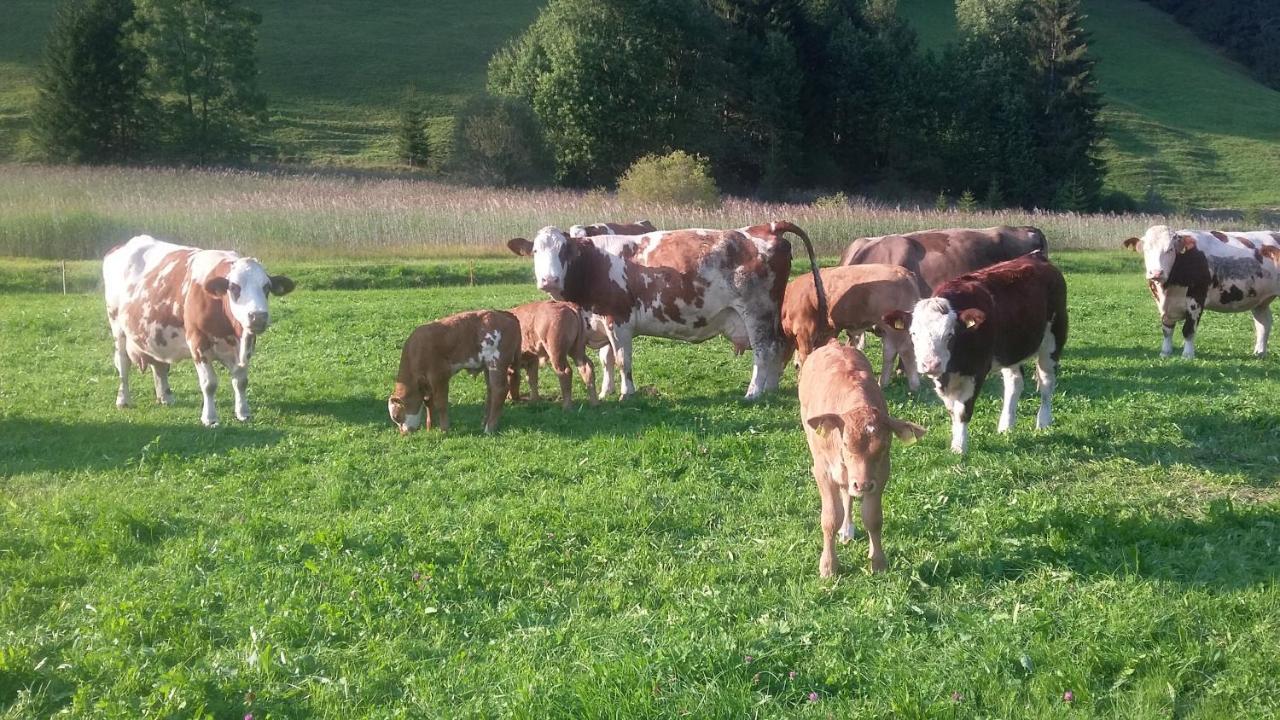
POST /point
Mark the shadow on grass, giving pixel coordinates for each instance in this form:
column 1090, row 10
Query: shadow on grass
column 39, row 445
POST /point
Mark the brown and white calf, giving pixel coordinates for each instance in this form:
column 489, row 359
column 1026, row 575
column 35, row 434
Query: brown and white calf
column 687, row 285
column 859, row 296
column 167, row 302
column 998, row 316
column 1189, row 271
column 936, row 256
column 554, row 332
column 850, row 434
column 639, row 227
column 480, row 340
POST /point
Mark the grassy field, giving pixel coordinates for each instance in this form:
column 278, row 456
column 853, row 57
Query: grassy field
column 652, row 559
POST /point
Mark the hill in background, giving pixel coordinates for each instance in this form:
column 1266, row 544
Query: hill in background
column 1181, row 118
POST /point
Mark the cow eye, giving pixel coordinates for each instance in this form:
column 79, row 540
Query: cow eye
column 234, row 289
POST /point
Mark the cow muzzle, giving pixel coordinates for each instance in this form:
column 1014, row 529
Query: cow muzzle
column 549, row 284
column 258, row 321
column 1155, row 276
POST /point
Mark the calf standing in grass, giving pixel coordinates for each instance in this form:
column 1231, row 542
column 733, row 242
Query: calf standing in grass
column 1001, row 315
column 850, row 432
column 859, row 296
column 487, row 340
column 555, row 332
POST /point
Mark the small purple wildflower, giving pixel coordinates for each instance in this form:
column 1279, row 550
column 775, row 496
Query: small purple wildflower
column 956, row 697
column 248, row 716
column 813, row 697
column 1068, row 697
column 417, row 576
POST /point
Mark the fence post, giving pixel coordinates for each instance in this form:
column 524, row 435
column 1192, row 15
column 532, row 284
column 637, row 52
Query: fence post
column 63, row 265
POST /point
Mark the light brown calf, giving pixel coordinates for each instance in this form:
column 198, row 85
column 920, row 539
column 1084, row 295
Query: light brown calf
column 850, row 433
column 859, row 296
column 555, row 332
column 487, row 340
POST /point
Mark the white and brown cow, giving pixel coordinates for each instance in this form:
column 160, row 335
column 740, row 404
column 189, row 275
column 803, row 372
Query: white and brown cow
column 687, row 285
column 639, row 227
column 859, row 296
column 167, row 302
column 850, row 433
column 936, row 256
column 1189, row 271
column 998, row 316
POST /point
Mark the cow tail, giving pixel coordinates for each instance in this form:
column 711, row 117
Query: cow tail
column 784, row 226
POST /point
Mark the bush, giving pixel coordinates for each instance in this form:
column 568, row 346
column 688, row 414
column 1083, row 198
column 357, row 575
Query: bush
column 831, row 202
column 677, row 178
column 498, row 141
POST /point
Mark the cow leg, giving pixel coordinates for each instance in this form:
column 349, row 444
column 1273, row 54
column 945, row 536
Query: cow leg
column 560, row 364
column 1189, row 336
column 240, row 387
column 832, row 509
column 438, row 407
column 122, row 367
column 496, row 379
column 888, row 353
column 1047, row 377
column 1166, row 347
column 532, row 369
column 623, row 335
column 1012, row 390
column 1261, row 328
column 858, row 340
column 762, row 337
column 208, row 387
column 872, row 520
column 607, row 363
column 588, row 373
column 160, row 374
column 513, row 380
column 907, row 357
column 846, row 513
column 959, row 397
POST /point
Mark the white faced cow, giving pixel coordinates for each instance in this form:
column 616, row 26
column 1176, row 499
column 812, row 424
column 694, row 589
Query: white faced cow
column 1188, row 271
column 167, row 302
column 684, row 284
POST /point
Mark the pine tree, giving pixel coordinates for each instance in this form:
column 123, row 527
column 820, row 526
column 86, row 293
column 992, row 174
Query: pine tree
column 412, row 145
column 91, row 104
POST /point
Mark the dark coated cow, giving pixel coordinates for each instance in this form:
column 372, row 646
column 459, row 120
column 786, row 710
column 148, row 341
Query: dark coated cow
column 687, row 285
column 1189, row 271
column 936, row 256
column 639, row 227
column 998, row 316
column 168, row 302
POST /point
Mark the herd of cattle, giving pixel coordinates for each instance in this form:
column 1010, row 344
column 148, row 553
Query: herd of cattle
column 949, row 304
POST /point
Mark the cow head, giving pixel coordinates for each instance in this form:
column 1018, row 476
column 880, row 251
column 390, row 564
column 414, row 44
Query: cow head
column 578, row 231
column 244, row 290
column 408, row 409
column 1160, row 246
column 865, row 436
column 552, row 251
column 934, row 326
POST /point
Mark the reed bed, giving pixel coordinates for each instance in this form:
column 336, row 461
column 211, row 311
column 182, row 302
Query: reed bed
column 78, row 213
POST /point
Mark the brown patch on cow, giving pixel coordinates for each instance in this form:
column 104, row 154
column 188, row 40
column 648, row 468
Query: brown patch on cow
column 1131, row 243
column 1222, row 237
column 936, row 242
column 587, row 281
column 1270, row 252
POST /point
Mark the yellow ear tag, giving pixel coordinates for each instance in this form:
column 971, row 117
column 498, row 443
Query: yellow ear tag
column 820, row 431
column 899, row 325
column 970, row 323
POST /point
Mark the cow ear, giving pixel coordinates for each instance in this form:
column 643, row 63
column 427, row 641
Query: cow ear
column 1184, row 243
column 897, row 319
column 907, row 432
column 971, row 318
column 218, row 286
column 823, row 424
column 1270, row 251
column 1132, row 244
column 281, row 285
column 520, row 247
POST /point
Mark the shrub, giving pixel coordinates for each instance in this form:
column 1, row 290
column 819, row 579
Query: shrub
column 942, row 203
column 498, row 141
column 677, row 178
column 967, row 202
column 831, row 202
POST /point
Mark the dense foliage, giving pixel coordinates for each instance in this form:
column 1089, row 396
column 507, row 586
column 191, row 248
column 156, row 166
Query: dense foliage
column 676, row 178
column 1249, row 30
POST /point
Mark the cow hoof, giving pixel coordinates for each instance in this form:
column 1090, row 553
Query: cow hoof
column 122, row 404
column 165, row 400
column 210, row 425
column 244, row 418
column 845, row 536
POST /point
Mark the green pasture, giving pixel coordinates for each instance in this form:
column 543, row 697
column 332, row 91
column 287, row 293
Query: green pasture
column 656, row 558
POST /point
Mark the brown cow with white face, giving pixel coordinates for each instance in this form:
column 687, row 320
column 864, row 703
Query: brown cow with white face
column 167, row 302
column 553, row 332
column 850, row 433
column 479, row 341
column 936, row 256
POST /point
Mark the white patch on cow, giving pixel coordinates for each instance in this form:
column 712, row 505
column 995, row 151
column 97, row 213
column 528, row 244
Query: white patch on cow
column 548, row 268
column 617, row 271
column 1012, row 389
column 578, row 231
column 412, row 422
column 1046, row 377
column 933, row 325
column 701, row 233
column 958, row 391
column 489, row 352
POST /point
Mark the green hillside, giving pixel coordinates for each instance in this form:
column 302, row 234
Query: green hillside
column 1180, row 116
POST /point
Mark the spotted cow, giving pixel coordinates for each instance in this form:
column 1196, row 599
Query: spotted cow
column 936, row 256
column 167, row 302
column 639, row 227
column 1189, row 271
column 998, row 316
column 687, row 285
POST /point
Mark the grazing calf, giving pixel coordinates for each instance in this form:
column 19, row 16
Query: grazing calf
column 860, row 297
column 639, row 227
column 1001, row 315
column 168, row 302
column 555, row 332
column 1189, row 271
column 487, row 340
column 849, row 431
column 687, row 285
column 936, row 256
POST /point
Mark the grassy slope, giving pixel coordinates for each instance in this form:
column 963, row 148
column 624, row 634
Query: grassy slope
column 651, row 559
column 1179, row 115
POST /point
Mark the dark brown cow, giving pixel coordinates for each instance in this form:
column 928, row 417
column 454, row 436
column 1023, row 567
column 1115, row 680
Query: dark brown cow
column 168, row 302
column 554, row 332
column 1001, row 316
column 860, row 296
column 487, row 340
column 849, row 431
column 683, row 284
column 639, row 227
column 936, row 256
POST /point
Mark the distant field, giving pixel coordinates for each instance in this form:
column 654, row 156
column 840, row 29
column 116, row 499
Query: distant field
column 652, row 559
column 1180, row 117
column 78, row 213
